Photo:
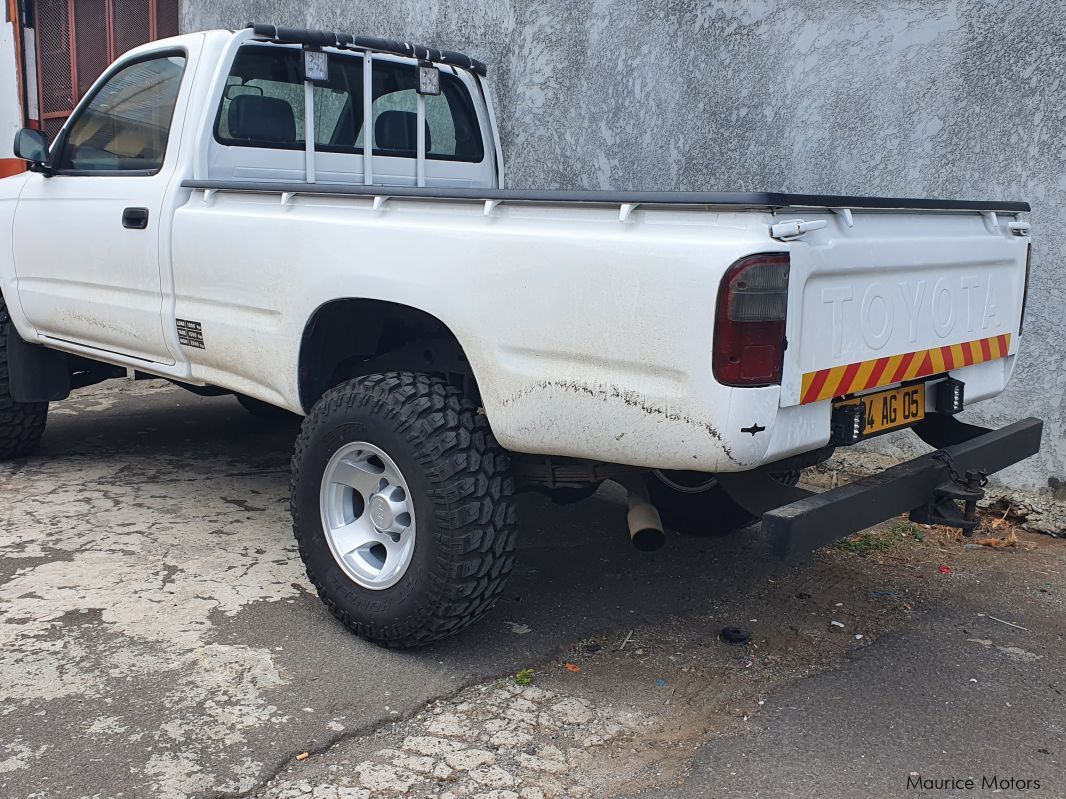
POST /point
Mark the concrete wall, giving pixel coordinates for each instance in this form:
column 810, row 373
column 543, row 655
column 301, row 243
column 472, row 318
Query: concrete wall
column 896, row 97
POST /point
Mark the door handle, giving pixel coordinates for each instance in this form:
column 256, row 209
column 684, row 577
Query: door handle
column 135, row 218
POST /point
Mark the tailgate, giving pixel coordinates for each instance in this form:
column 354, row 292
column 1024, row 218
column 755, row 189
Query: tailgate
column 880, row 297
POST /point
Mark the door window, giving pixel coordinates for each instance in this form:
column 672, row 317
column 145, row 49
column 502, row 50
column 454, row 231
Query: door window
column 126, row 123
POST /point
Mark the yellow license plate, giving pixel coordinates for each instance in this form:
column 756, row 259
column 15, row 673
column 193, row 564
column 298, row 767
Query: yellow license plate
column 887, row 410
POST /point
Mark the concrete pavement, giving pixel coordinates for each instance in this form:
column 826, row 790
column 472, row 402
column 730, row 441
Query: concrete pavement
column 160, row 640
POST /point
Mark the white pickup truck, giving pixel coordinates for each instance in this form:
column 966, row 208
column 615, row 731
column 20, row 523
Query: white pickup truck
column 317, row 223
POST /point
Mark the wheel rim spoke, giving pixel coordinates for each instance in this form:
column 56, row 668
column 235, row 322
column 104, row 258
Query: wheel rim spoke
column 398, row 550
column 360, row 474
column 358, row 534
column 394, row 545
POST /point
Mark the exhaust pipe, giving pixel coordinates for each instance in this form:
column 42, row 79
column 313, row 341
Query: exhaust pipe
column 645, row 526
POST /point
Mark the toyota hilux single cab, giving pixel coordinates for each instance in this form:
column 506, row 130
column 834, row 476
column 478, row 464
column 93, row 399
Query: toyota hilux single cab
column 317, row 223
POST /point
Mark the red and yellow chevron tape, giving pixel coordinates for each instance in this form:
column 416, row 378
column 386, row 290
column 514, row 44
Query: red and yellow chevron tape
column 840, row 380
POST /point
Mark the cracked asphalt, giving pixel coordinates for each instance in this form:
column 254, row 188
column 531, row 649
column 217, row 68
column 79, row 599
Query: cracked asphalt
column 158, row 639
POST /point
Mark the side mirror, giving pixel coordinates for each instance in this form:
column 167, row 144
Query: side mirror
column 31, row 145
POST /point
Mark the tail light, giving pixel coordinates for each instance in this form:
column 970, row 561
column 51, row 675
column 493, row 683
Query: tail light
column 749, row 327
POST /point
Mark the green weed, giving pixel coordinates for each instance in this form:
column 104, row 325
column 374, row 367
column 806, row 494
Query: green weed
column 866, row 544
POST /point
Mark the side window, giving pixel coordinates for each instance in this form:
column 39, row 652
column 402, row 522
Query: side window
column 126, row 124
column 263, row 106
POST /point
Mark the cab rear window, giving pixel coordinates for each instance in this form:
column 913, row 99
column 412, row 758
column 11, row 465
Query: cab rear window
column 263, row 106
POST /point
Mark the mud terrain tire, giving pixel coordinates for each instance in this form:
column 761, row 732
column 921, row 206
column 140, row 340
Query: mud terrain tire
column 459, row 483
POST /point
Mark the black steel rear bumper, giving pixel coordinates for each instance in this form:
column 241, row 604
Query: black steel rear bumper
column 820, row 519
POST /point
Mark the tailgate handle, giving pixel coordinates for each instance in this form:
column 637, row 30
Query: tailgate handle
column 794, row 228
column 135, row 218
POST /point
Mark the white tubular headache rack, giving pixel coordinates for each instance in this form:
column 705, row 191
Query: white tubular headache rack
column 309, row 131
column 368, row 118
column 368, row 128
column 311, row 40
column 420, row 138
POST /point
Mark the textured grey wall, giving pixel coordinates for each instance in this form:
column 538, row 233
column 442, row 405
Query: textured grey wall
column 897, row 97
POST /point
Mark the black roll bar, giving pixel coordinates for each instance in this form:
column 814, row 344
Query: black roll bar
column 348, row 41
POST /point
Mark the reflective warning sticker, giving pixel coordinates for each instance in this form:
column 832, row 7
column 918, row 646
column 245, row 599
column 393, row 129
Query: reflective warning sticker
column 864, row 375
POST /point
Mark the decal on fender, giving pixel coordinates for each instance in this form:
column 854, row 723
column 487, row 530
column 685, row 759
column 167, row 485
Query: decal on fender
column 190, row 334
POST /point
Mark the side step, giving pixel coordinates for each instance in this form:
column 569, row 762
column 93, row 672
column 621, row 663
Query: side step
column 820, row 519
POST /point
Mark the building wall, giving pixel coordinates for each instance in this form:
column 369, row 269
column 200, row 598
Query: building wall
column 941, row 98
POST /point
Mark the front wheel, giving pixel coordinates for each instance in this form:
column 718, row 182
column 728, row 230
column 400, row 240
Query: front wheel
column 402, row 505
column 694, row 503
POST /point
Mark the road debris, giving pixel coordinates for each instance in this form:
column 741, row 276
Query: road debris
column 573, row 668
column 518, row 629
column 629, row 635
column 836, row 623
column 303, row 756
column 944, row 569
column 999, row 543
column 1001, row 621
column 734, row 635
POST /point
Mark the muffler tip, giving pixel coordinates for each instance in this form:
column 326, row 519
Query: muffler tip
column 645, row 526
column 647, row 540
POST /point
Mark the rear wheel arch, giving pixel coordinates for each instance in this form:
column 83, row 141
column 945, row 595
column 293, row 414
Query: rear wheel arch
column 350, row 337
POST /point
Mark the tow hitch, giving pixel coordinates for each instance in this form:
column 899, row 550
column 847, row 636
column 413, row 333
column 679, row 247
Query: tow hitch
column 928, row 487
column 967, row 489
